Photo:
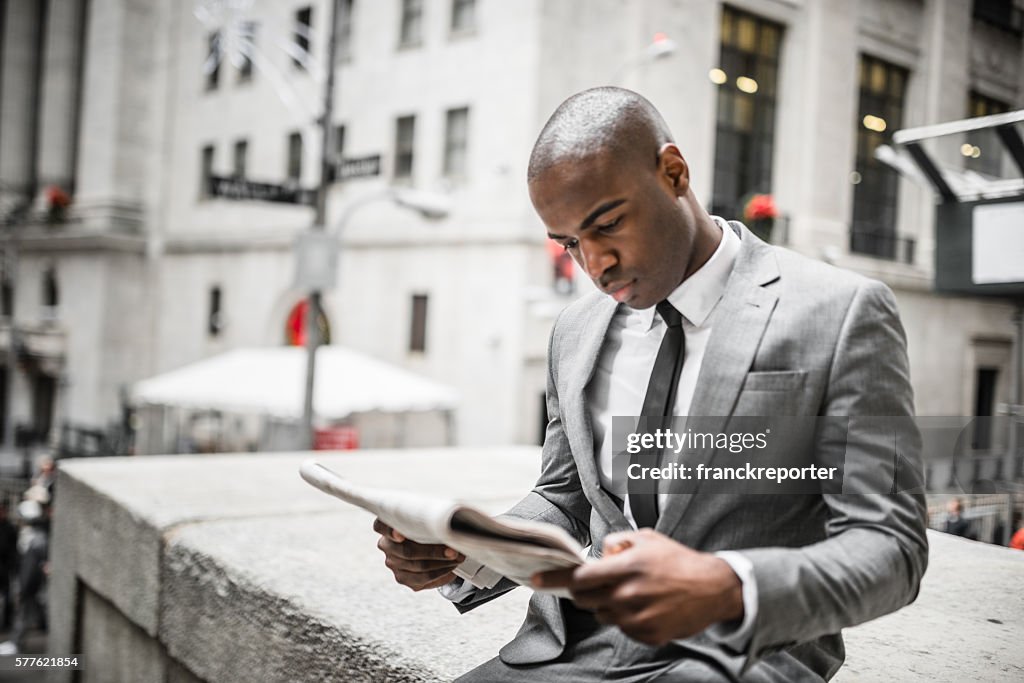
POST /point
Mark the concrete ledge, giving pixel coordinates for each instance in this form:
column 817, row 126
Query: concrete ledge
column 230, row 568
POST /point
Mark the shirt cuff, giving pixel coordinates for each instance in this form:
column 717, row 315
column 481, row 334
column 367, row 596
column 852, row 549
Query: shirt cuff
column 737, row 637
column 456, row 591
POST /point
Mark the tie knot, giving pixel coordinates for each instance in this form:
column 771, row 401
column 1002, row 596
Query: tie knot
column 669, row 314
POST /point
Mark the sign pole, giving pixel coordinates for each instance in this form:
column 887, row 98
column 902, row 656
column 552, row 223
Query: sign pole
column 320, row 218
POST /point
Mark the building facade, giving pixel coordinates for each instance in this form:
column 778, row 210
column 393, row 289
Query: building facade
column 130, row 106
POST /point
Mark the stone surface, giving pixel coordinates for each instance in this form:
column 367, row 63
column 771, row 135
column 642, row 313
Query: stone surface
column 243, row 572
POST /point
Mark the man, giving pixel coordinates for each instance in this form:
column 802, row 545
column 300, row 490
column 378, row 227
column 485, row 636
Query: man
column 955, row 522
column 725, row 586
column 8, row 563
column 33, row 554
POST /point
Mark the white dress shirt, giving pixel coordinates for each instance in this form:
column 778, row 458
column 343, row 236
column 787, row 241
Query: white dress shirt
column 619, row 385
column 620, row 379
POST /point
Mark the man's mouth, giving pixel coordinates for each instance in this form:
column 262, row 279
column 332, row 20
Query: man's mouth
column 620, row 292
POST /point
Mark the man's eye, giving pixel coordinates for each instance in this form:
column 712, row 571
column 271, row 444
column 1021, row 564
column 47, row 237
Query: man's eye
column 608, row 227
column 570, row 244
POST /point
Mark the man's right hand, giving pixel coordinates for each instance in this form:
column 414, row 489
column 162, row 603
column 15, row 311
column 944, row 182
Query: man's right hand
column 416, row 565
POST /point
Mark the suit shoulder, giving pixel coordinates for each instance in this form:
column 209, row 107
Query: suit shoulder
column 811, row 275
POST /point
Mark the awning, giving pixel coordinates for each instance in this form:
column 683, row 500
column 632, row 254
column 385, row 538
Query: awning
column 271, row 381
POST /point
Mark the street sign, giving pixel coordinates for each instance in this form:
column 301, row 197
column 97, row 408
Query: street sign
column 316, row 261
column 358, row 167
column 979, row 248
column 242, row 189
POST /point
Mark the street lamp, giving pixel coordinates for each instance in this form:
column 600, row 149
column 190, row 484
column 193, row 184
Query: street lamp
column 317, row 255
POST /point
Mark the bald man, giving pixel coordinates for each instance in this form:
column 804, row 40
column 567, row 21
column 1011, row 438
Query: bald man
column 696, row 317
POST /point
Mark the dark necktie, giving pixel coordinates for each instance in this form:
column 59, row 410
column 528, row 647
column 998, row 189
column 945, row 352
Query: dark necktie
column 657, row 413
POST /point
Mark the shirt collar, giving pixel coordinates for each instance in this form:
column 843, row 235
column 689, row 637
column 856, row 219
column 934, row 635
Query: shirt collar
column 698, row 294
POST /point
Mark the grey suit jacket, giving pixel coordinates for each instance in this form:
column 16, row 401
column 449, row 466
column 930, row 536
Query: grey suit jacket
column 791, row 336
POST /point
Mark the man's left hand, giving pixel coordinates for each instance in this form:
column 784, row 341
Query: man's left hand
column 653, row 588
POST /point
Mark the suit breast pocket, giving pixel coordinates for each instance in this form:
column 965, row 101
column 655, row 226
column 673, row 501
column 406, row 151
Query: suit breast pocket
column 775, row 380
column 772, row 393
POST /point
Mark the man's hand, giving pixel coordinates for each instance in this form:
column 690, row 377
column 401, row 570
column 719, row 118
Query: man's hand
column 652, row 587
column 416, row 565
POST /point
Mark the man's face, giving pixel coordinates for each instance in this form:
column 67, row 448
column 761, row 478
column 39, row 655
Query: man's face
column 622, row 222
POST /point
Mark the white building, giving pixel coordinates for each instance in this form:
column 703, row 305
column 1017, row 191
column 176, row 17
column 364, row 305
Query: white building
column 109, row 99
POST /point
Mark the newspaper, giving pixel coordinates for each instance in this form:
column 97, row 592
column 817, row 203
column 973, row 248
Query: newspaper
column 513, row 548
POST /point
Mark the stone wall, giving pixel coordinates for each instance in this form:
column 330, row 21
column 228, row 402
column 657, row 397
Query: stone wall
column 231, row 568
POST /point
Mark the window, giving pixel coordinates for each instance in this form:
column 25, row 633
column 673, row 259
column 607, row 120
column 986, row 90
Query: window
column 984, row 402
column 51, row 296
column 418, row 330
column 240, row 157
column 211, row 67
column 303, row 33
column 345, row 30
column 463, row 16
column 294, row 157
column 412, row 23
column 6, row 297
column 746, row 76
column 982, row 148
column 880, row 112
column 247, row 45
column 405, row 133
column 215, row 319
column 1003, row 14
column 455, row 141
column 205, row 171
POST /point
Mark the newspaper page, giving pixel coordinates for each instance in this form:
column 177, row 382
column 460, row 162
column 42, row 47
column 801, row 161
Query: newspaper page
column 493, row 547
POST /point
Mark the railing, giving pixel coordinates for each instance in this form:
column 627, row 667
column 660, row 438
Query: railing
column 871, row 242
column 991, row 518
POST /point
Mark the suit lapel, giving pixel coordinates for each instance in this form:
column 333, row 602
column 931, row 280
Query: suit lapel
column 738, row 324
column 576, row 416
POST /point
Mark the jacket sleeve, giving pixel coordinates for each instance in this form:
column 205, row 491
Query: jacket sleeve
column 875, row 551
column 557, row 497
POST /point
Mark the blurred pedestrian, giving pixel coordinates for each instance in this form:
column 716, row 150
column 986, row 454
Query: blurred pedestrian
column 956, row 524
column 1017, row 542
column 47, row 476
column 33, row 554
column 8, row 565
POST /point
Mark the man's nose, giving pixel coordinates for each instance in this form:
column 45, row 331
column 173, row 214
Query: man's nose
column 596, row 260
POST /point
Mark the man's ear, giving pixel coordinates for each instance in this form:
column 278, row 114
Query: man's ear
column 673, row 167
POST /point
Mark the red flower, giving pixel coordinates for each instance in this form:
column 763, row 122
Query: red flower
column 759, row 207
column 57, row 198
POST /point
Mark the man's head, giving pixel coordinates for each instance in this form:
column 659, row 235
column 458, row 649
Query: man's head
column 955, row 506
column 612, row 187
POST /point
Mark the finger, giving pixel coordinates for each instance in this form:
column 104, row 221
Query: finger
column 410, row 550
column 617, row 542
column 556, row 578
column 598, row 598
column 607, row 571
column 385, row 530
column 419, row 581
column 417, row 566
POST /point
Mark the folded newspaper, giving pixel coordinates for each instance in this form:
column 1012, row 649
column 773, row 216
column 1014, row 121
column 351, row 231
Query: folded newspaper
column 493, row 547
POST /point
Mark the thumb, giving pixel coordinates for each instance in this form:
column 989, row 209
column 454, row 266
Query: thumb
column 618, row 542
